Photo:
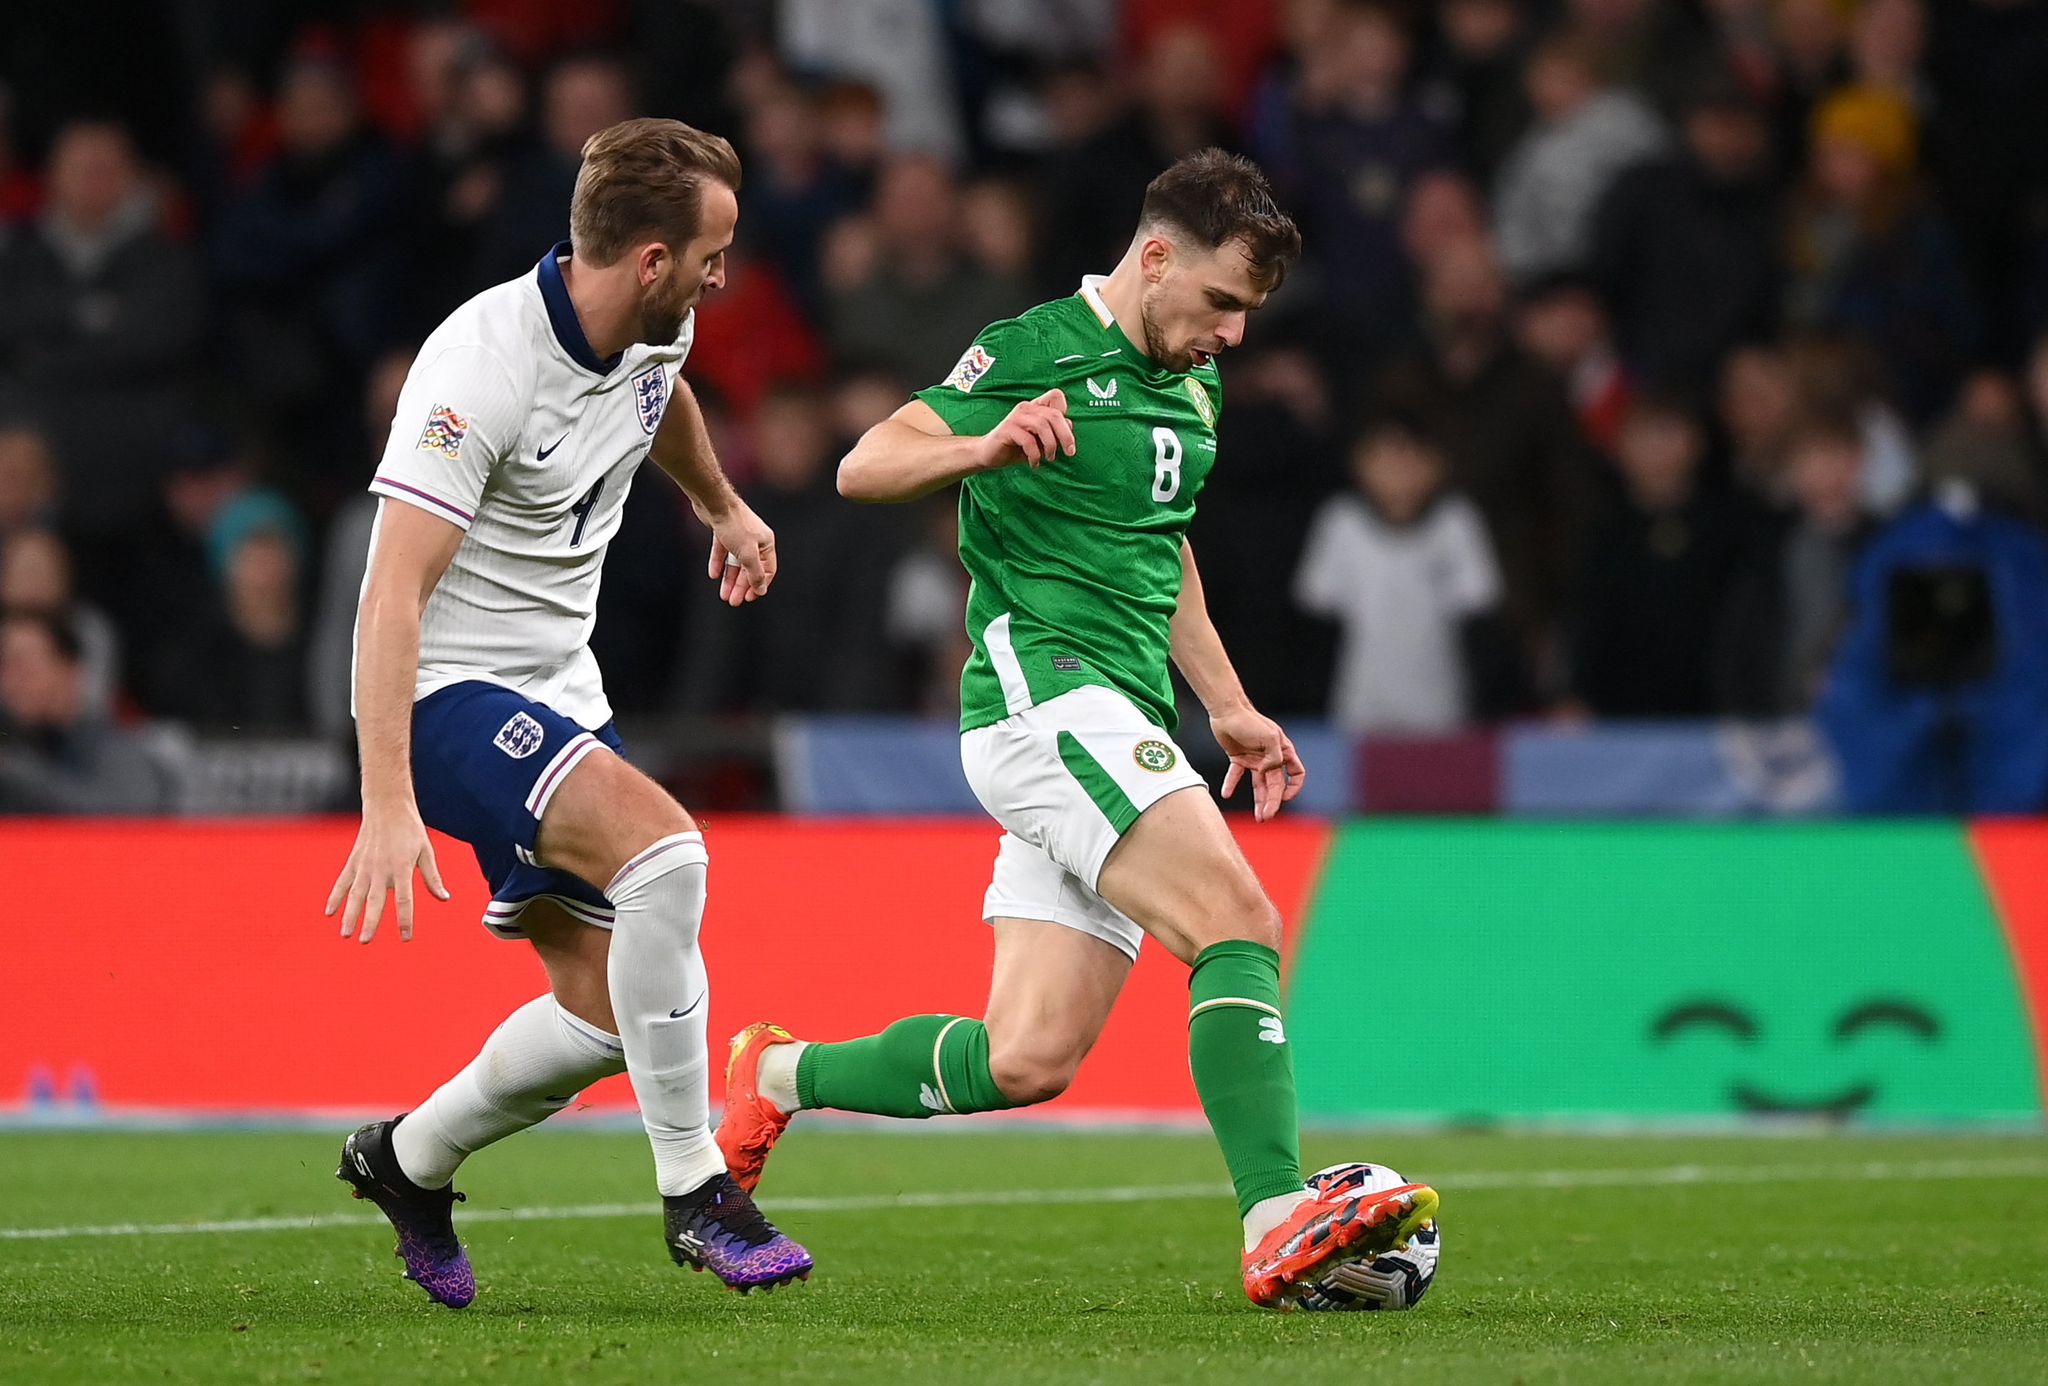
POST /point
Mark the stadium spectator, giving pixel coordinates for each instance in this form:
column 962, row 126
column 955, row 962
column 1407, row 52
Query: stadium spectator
column 1506, row 429
column 1685, row 249
column 1444, row 212
column 1648, row 46
column 996, row 231
column 819, row 646
column 36, row 578
column 1562, row 323
column 1789, row 605
column 1888, row 48
column 897, row 47
column 1352, row 141
column 305, row 255
column 1654, row 574
column 1255, row 517
column 458, row 176
column 55, row 757
column 925, row 616
column 330, row 645
column 794, row 192
column 919, row 302
column 1811, row 37
column 1870, row 257
column 244, row 670
column 579, row 97
column 99, row 330
column 1091, row 191
column 1478, row 76
column 28, row 482
column 1758, row 402
column 1403, row 566
column 1586, row 135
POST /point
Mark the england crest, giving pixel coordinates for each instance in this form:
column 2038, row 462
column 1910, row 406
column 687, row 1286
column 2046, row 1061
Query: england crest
column 520, row 737
column 650, row 394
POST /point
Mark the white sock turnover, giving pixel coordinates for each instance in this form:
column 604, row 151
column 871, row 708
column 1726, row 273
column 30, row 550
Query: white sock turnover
column 777, row 1079
column 1269, row 1213
column 661, row 997
column 531, row 1067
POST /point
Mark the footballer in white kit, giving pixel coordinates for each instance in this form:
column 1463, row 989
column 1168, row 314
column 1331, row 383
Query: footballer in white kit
column 481, row 712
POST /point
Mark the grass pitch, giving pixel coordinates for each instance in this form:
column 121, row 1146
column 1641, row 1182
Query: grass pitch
column 1034, row 1256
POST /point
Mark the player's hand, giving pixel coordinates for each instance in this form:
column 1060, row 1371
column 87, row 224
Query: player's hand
column 1036, row 431
column 742, row 553
column 1258, row 748
column 390, row 845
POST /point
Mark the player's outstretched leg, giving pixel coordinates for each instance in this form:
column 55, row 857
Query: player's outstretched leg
column 660, row 996
column 423, row 1218
column 1179, row 873
column 1050, row 994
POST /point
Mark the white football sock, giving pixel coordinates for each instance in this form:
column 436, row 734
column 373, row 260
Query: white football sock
column 531, row 1067
column 777, row 1079
column 661, row 997
column 1269, row 1213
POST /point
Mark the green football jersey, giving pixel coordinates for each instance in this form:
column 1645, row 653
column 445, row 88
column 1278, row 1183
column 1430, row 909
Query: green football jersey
column 1075, row 565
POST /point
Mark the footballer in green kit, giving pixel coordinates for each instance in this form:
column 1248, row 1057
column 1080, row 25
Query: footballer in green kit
column 1080, row 434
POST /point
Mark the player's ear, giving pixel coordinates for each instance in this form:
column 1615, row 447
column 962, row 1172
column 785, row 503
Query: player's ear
column 650, row 262
column 1155, row 256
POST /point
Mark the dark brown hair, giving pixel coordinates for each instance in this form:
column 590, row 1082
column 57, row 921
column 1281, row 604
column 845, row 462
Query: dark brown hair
column 1217, row 198
column 645, row 178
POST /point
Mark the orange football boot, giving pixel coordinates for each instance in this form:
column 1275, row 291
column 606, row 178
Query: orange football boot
column 1322, row 1234
column 752, row 1124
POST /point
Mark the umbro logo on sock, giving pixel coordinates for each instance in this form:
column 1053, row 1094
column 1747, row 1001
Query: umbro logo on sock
column 1271, row 1030
column 929, row 1098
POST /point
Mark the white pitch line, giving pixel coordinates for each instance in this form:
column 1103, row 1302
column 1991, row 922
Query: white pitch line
column 2018, row 1167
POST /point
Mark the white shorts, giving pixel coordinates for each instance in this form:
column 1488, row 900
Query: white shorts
column 1066, row 779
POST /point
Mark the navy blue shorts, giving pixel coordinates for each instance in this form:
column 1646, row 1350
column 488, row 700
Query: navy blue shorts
column 485, row 763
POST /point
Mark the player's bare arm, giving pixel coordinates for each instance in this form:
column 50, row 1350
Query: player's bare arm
column 413, row 550
column 742, row 547
column 912, row 453
column 1254, row 742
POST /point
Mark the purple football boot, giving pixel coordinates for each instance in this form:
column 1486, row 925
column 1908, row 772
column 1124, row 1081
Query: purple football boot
column 718, row 1228
column 423, row 1218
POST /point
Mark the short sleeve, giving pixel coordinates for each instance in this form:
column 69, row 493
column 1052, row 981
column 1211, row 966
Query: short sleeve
column 1475, row 583
column 1005, row 366
column 458, row 416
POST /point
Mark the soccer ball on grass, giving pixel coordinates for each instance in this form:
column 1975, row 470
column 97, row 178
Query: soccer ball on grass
column 1396, row 1279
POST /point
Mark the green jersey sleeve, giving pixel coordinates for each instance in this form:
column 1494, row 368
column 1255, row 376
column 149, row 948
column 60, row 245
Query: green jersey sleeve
column 1005, row 366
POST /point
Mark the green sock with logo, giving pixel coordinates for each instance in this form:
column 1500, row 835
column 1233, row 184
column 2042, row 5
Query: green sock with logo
column 921, row 1066
column 1244, row 1072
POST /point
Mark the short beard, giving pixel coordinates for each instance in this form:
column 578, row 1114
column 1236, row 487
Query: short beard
column 1155, row 340
column 661, row 318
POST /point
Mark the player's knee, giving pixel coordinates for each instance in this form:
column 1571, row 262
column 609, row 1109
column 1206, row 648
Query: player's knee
column 1239, row 912
column 1027, row 1078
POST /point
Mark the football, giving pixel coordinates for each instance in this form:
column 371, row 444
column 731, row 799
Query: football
column 1397, row 1279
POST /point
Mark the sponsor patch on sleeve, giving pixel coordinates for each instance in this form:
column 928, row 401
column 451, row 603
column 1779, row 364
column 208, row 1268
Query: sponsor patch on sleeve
column 973, row 366
column 444, row 433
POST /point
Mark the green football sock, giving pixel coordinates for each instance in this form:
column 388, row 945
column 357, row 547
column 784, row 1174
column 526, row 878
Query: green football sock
column 1243, row 1070
column 921, row 1066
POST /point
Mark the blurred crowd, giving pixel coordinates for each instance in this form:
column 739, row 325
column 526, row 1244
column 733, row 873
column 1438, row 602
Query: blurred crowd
column 1648, row 359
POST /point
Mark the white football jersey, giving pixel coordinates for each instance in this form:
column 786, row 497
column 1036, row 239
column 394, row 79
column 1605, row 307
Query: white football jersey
column 512, row 428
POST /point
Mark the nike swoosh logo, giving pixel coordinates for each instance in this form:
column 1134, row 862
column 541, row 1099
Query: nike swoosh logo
column 678, row 1015
column 552, row 446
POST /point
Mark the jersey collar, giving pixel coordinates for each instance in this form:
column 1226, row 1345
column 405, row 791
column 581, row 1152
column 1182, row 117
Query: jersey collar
column 1091, row 294
column 562, row 313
